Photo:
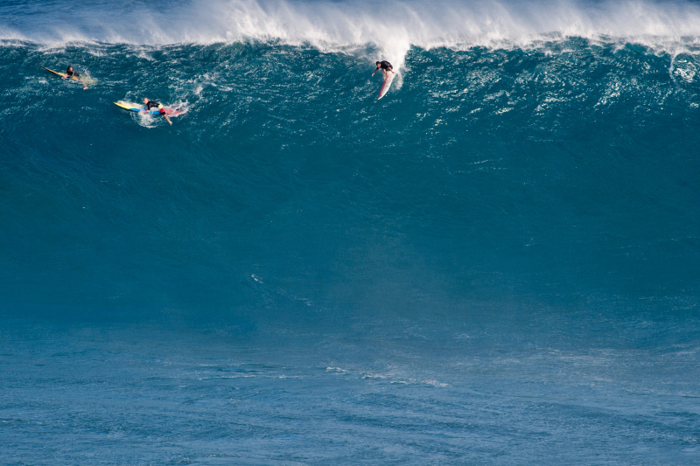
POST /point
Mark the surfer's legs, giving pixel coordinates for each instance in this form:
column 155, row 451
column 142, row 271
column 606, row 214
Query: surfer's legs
column 162, row 112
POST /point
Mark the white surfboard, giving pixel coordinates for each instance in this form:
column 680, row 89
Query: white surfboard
column 386, row 85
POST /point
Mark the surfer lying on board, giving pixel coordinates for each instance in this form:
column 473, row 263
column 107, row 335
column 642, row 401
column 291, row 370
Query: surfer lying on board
column 151, row 104
column 72, row 74
column 384, row 66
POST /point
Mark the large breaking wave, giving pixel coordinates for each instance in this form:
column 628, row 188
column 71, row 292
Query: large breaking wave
column 530, row 149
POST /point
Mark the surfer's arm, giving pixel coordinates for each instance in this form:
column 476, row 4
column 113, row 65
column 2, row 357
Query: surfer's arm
column 375, row 70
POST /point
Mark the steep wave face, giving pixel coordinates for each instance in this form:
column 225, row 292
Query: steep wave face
column 566, row 167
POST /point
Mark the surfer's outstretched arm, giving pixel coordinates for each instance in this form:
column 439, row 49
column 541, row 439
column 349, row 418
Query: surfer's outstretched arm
column 84, row 83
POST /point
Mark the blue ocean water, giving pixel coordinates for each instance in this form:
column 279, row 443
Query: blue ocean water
column 497, row 263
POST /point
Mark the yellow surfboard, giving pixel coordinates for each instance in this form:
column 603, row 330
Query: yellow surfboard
column 140, row 108
column 63, row 75
column 87, row 79
column 129, row 106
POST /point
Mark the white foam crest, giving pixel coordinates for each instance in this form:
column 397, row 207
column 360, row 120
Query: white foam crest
column 390, row 28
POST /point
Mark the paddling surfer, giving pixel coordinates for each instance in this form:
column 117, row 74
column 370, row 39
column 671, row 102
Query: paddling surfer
column 150, row 104
column 384, row 66
column 70, row 74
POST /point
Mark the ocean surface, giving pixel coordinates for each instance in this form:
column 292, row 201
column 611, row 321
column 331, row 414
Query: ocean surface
column 498, row 263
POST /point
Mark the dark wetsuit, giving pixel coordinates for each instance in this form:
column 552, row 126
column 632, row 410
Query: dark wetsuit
column 151, row 104
column 72, row 74
column 385, row 65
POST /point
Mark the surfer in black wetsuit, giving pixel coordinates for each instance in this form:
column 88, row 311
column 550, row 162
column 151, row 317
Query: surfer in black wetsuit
column 384, row 66
column 151, row 104
column 70, row 74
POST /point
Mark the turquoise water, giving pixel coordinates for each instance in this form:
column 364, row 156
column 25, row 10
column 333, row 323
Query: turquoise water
column 497, row 263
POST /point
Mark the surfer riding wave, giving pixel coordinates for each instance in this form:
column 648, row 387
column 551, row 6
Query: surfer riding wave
column 384, row 66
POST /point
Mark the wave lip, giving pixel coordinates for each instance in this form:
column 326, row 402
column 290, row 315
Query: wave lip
column 392, row 28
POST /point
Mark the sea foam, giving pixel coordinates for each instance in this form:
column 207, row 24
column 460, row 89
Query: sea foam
column 390, row 28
